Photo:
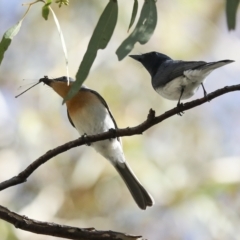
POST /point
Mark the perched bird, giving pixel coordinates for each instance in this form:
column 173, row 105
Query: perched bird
column 176, row 79
column 88, row 112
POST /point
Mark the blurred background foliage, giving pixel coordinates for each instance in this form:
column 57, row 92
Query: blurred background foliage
column 190, row 164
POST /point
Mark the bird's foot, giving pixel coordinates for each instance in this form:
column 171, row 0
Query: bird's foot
column 179, row 106
column 85, row 137
column 180, row 113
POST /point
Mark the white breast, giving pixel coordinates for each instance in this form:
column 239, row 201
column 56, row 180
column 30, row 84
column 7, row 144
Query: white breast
column 94, row 120
column 190, row 81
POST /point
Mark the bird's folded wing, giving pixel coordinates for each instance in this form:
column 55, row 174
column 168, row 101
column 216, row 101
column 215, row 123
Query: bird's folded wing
column 171, row 70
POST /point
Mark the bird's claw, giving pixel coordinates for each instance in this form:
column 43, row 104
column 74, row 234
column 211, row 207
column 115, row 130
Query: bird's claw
column 180, row 113
column 179, row 106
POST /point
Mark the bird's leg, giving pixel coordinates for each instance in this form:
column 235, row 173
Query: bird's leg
column 182, row 90
column 179, row 104
column 205, row 92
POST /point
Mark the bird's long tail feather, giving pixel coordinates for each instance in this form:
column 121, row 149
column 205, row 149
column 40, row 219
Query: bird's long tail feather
column 214, row 65
column 140, row 195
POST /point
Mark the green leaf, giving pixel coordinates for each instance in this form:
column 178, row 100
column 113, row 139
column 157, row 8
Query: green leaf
column 134, row 13
column 105, row 27
column 99, row 40
column 231, row 12
column 45, row 11
column 147, row 29
column 7, row 38
column 143, row 31
column 61, row 2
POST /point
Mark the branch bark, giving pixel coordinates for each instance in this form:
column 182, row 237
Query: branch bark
column 112, row 133
column 69, row 232
column 63, row 231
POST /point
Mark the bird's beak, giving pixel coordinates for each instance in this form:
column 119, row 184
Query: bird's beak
column 136, row 57
column 46, row 80
column 49, row 82
column 59, row 85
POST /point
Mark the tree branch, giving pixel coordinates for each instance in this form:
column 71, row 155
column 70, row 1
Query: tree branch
column 148, row 123
column 52, row 229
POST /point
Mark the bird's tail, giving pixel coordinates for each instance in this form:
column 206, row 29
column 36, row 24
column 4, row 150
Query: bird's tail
column 140, row 195
column 213, row 65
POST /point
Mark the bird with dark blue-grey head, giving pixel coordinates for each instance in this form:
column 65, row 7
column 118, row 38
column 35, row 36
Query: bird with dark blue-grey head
column 176, row 79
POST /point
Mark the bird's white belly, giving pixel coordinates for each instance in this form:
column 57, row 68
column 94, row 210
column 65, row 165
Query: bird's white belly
column 172, row 90
column 95, row 121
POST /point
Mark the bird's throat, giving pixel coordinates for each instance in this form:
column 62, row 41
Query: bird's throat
column 60, row 88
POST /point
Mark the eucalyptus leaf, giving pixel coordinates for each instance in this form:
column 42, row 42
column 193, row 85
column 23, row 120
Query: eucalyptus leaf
column 99, row 40
column 61, row 2
column 231, row 12
column 146, row 30
column 143, row 31
column 7, row 38
column 134, row 13
column 45, row 11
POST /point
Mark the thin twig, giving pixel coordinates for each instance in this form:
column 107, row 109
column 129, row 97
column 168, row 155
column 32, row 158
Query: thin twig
column 29, row 6
column 57, row 230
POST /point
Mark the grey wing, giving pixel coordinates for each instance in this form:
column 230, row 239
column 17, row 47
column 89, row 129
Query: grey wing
column 181, row 66
column 173, row 69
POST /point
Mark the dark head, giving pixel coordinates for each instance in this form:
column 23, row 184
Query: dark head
column 151, row 61
column 59, row 85
column 49, row 82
